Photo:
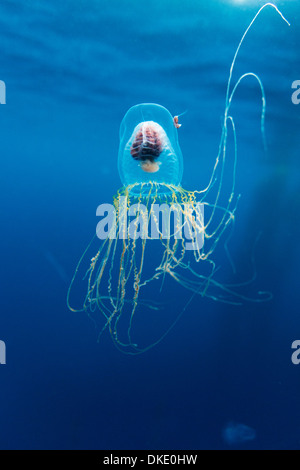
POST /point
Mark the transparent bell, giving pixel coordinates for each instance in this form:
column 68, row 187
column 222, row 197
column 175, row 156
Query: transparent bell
column 149, row 151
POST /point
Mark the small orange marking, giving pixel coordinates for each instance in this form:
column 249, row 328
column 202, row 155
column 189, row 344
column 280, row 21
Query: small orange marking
column 176, row 123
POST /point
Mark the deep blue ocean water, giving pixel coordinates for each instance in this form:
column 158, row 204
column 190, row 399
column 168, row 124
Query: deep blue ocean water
column 72, row 69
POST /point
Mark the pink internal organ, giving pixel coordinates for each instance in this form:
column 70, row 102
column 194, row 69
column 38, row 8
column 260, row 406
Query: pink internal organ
column 146, row 148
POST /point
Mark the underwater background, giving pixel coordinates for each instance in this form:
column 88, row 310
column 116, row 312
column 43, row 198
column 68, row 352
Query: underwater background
column 223, row 377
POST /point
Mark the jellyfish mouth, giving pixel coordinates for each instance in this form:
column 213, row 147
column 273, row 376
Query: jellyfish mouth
column 150, row 166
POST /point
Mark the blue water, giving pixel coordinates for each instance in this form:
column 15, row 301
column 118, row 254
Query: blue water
column 223, row 377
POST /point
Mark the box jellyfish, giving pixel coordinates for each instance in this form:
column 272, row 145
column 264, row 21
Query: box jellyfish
column 155, row 229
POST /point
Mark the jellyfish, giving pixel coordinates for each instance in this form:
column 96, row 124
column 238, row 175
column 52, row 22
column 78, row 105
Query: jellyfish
column 237, row 433
column 155, row 229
